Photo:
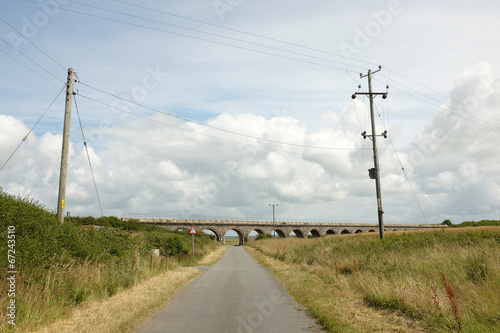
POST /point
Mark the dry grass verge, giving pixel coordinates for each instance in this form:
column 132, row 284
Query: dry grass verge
column 213, row 257
column 444, row 281
column 126, row 310
column 335, row 305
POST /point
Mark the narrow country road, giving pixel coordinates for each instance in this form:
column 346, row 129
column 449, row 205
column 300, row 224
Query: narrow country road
column 234, row 295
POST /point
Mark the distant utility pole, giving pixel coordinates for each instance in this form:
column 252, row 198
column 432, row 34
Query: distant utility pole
column 375, row 172
column 273, row 216
column 61, row 201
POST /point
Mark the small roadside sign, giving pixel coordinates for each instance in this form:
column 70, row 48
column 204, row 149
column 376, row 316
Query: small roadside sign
column 193, row 230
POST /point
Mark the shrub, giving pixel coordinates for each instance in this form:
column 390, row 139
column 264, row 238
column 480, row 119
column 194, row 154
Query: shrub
column 263, row 236
column 64, row 265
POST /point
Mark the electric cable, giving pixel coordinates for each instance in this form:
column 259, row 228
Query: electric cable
column 212, row 34
column 268, row 53
column 33, row 61
column 443, row 95
column 448, row 108
column 412, row 190
column 37, row 74
column 335, row 161
column 88, row 155
column 205, row 125
column 204, row 39
column 216, row 137
column 406, row 175
column 31, row 130
column 245, row 32
column 326, row 142
column 20, row 34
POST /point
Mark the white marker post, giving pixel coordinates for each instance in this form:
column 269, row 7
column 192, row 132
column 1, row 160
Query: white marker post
column 193, row 232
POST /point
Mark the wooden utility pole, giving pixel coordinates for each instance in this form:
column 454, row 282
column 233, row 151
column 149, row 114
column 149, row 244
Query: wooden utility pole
column 375, row 172
column 61, row 201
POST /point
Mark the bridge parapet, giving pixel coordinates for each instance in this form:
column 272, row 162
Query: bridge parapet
column 282, row 229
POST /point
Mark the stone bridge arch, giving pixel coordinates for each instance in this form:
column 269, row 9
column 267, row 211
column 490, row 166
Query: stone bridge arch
column 241, row 235
column 314, row 233
column 216, row 232
column 281, row 233
column 298, row 233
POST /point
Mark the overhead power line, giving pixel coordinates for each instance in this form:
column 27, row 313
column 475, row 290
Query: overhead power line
column 232, row 39
column 206, row 125
column 443, row 95
column 299, row 46
column 88, row 155
column 31, row 70
column 216, row 137
column 426, row 98
column 30, row 42
column 33, row 61
column 214, row 35
column 213, row 41
column 439, row 104
column 31, row 130
column 155, row 10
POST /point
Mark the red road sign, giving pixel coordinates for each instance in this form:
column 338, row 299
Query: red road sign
column 193, row 230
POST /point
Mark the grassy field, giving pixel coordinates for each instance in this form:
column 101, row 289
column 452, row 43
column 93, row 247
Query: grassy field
column 441, row 281
column 232, row 241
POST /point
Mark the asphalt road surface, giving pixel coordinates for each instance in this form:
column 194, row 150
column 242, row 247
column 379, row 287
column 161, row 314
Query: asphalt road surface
column 234, row 295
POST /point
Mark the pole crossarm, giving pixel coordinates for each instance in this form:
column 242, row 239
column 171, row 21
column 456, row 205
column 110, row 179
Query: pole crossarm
column 364, row 135
column 373, row 93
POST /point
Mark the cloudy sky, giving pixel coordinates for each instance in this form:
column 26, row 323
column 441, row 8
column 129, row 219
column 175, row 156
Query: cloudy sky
column 221, row 107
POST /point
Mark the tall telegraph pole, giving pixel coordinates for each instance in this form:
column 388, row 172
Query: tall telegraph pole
column 65, row 147
column 375, row 172
column 273, row 217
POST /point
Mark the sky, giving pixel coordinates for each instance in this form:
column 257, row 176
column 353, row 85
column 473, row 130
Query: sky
column 219, row 108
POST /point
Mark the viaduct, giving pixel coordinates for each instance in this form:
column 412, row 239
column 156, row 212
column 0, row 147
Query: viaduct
column 282, row 229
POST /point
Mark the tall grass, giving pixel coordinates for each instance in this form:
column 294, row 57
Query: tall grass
column 61, row 267
column 441, row 281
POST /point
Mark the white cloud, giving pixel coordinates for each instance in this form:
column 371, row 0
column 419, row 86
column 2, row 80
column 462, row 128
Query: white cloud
column 147, row 167
column 458, row 148
column 168, row 166
column 445, row 181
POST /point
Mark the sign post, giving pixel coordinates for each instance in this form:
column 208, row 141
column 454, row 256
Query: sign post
column 193, row 232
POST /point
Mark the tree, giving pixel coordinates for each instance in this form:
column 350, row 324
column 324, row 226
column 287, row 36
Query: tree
column 447, row 222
